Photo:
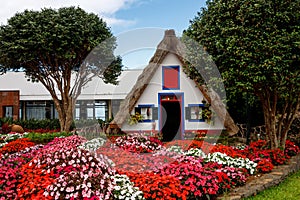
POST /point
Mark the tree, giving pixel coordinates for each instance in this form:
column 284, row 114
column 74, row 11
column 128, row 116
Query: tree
column 256, row 45
column 63, row 49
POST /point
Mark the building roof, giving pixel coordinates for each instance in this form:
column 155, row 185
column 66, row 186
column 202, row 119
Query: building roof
column 95, row 89
column 170, row 44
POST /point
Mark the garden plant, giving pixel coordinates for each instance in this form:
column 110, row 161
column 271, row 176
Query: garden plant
column 132, row 166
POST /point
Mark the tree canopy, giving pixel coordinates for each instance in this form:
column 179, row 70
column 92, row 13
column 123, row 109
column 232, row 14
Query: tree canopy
column 256, row 46
column 52, row 45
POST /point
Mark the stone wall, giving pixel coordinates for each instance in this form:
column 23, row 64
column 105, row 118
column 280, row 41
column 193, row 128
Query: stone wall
column 258, row 184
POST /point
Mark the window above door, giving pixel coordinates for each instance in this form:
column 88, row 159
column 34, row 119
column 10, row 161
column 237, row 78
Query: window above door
column 170, row 78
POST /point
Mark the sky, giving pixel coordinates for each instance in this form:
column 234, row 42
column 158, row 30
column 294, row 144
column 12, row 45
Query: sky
column 142, row 18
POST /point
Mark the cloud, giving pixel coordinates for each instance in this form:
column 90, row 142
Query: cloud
column 104, row 8
column 118, row 22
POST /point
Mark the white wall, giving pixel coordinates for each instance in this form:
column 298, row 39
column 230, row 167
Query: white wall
column 192, row 95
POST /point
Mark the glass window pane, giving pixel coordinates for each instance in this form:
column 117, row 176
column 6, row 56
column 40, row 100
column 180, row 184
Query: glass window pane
column 90, row 113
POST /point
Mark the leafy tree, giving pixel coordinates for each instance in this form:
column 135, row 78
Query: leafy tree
column 256, row 45
column 63, row 49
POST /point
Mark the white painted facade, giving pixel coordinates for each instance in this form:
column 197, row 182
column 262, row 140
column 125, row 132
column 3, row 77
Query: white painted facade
column 190, row 94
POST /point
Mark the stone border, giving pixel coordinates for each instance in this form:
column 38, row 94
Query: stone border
column 252, row 187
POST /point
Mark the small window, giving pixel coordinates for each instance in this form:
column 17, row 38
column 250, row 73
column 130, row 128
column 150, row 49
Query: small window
column 146, row 111
column 195, row 112
column 171, row 79
column 8, row 111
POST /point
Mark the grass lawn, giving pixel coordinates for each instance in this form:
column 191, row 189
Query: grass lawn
column 289, row 189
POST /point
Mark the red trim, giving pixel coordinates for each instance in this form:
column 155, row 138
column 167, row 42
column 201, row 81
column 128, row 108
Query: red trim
column 173, row 98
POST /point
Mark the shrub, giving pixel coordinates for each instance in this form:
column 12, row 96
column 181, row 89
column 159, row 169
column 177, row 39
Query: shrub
column 44, row 138
column 93, row 144
column 158, row 186
column 35, row 124
column 264, row 166
column 124, row 188
column 11, row 171
column 34, row 181
column 138, row 143
column 77, row 173
column 198, row 180
column 290, row 148
column 16, row 146
column 225, row 160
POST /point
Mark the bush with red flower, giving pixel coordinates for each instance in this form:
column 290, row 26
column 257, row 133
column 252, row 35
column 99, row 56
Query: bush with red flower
column 189, row 169
column 264, row 165
column 291, row 149
column 76, row 172
column 227, row 150
column 199, row 180
column 35, row 179
column 16, row 146
column 159, row 186
column 11, row 171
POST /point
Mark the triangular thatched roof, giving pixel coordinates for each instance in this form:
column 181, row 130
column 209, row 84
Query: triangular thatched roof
column 169, row 44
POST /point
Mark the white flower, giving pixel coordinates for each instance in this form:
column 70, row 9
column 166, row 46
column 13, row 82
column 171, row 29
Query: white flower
column 117, row 187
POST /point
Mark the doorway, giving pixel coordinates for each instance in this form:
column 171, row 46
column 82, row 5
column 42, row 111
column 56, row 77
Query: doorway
column 171, row 117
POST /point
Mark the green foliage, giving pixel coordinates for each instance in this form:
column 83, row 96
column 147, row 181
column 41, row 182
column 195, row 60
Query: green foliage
column 34, row 124
column 43, row 42
column 255, row 44
column 252, row 42
column 44, row 138
column 51, row 45
column 6, row 120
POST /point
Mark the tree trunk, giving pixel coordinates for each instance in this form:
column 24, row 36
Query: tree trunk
column 270, row 124
column 288, row 115
column 65, row 108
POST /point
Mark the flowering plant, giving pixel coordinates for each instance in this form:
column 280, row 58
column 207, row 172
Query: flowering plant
column 93, row 144
column 264, row 165
column 11, row 171
column 227, row 150
column 16, row 146
column 124, row 188
column 234, row 177
column 176, row 149
column 135, row 118
column 198, row 180
column 78, row 174
column 290, row 148
column 5, row 138
column 34, row 181
column 195, row 152
column 158, row 186
column 138, row 143
column 225, row 160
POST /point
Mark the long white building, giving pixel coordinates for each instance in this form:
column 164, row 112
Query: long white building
column 22, row 99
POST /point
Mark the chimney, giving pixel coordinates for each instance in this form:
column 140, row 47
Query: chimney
column 170, row 32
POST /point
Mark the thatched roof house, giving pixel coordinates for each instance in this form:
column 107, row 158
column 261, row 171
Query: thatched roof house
column 163, row 88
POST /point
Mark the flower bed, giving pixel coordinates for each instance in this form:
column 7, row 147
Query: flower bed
column 132, row 167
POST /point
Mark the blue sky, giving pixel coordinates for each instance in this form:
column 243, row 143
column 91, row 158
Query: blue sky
column 126, row 18
column 174, row 14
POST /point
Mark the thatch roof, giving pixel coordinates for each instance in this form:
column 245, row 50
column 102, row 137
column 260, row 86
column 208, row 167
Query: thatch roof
column 169, row 44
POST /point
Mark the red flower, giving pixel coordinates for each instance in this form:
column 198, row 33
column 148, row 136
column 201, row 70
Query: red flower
column 16, row 146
